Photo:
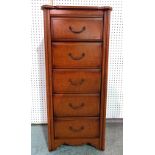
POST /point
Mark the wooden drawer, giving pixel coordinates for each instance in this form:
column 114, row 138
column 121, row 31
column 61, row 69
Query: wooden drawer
column 77, row 128
column 76, row 28
column 76, row 55
column 76, row 81
column 76, row 105
column 76, row 13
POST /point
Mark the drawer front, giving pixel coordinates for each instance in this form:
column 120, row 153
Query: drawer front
column 76, row 13
column 76, row 28
column 76, row 105
column 76, row 81
column 76, row 55
column 79, row 128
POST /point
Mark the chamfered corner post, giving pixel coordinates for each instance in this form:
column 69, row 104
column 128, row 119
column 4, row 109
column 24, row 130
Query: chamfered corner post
column 106, row 33
column 48, row 66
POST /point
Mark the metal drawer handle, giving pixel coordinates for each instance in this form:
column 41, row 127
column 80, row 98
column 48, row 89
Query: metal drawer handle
column 75, row 83
column 76, row 58
column 76, row 130
column 76, row 107
column 83, row 29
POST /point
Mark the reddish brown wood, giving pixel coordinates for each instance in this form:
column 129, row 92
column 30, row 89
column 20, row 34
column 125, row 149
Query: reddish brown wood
column 47, row 38
column 76, row 13
column 76, row 55
column 74, row 118
column 79, row 128
column 77, row 141
column 104, row 8
column 76, row 81
column 104, row 78
column 76, row 29
column 76, row 105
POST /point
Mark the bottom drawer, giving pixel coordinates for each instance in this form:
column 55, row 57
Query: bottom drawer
column 78, row 128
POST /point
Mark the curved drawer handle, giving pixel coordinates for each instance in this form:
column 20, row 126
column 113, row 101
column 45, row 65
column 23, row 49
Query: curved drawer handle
column 76, row 130
column 75, row 83
column 83, row 29
column 76, row 107
column 76, row 58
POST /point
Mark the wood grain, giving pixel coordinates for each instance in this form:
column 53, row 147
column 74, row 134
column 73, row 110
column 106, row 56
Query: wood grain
column 76, row 13
column 86, row 8
column 76, row 55
column 76, row 81
column 76, row 28
column 48, row 54
column 77, row 141
column 80, row 128
column 76, row 105
column 104, row 79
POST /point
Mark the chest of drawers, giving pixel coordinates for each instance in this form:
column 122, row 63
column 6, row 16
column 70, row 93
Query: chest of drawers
column 76, row 55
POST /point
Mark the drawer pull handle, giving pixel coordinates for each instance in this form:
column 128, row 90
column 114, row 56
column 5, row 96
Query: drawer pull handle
column 75, row 83
column 76, row 58
column 76, row 107
column 76, row 130
column 83, row 29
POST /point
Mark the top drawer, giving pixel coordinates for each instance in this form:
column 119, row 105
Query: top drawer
column 74, row 29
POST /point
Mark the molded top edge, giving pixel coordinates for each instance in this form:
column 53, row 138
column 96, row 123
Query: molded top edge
column 77, row 7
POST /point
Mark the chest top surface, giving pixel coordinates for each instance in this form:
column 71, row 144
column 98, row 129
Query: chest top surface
column 77, row 7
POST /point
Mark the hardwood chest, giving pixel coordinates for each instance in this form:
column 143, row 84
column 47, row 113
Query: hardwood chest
column 76, row 55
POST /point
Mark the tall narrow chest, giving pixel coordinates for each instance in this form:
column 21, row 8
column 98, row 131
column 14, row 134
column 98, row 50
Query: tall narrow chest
column 76, row 56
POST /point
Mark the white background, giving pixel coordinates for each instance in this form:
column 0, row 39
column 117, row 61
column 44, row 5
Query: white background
column 115, row 94
column 138, row 75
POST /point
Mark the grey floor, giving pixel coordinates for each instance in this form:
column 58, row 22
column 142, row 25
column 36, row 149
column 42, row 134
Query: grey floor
column 114, row 142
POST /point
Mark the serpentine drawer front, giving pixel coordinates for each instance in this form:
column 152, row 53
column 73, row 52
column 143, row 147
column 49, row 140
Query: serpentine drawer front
column 76, row 28
column 76, row 81
column 78, row 128
column 76, row 105
column 76, row 56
